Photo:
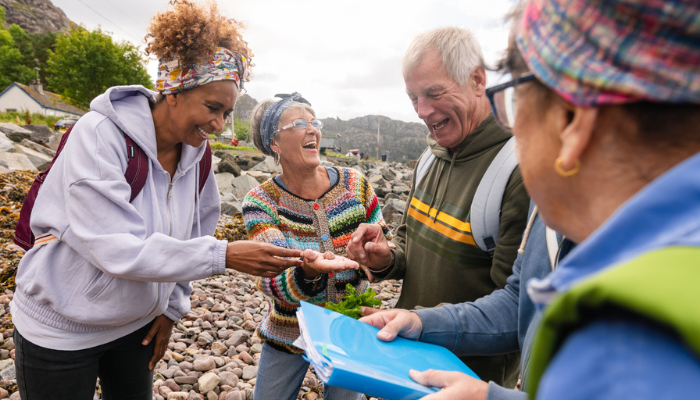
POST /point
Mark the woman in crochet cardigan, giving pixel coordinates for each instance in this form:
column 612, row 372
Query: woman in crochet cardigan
column 307, row 207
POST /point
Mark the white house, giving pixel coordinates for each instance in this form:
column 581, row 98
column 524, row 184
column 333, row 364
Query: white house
column 32, row 98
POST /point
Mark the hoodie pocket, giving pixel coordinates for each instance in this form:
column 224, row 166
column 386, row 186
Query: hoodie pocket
column 97, row 285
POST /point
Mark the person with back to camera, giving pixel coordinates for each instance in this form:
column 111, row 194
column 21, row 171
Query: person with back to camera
column 311, row 208
column 436, row 253
column 609, row 145
column 98, row 296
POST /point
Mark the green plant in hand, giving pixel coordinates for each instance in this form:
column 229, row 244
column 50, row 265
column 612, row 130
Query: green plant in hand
column 351, row 302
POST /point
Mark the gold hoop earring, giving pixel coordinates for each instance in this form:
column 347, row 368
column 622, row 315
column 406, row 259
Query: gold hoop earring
column 564, row 173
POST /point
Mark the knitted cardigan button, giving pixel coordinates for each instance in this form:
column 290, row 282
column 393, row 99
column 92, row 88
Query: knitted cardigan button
column 324, row 237
column 315, row 206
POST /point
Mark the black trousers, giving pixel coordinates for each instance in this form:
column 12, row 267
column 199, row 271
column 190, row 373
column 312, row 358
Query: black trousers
column 122, row 366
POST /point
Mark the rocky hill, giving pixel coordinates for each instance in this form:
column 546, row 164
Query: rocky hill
column 35, row 16
column 400, row 141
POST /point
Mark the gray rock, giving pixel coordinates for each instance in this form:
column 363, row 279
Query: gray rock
column 15, row 132
column 224, row 182
column 40, row 133
column 228, row 378
column 6, row 145
column 250, row 372
column 14, row 162
column 242, row 185
column 259, row 176
column 40, row 160
column 228, row 164
column 207, row 382
column 37, row 147
column 8, row 373
column 204, row 363
column 268, row 165
column 231, row 208
column 400, row 188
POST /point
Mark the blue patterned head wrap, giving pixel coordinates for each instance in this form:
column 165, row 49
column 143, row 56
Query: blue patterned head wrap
column 272, row 115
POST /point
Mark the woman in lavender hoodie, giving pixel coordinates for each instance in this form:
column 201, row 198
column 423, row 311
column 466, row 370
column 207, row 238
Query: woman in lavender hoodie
column 99, row 294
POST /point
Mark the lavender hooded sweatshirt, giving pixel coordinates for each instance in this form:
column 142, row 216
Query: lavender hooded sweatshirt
column 116, row 262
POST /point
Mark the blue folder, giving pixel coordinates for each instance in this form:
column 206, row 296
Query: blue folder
column 346, row 353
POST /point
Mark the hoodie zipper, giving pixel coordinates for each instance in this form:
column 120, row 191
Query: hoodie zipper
column 168, row 196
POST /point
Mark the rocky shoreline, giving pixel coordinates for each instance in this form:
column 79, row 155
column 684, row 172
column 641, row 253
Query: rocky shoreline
column 213, row 353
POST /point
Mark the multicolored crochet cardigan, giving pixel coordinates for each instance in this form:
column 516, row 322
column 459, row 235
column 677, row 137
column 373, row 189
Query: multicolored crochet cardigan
column 274, row 215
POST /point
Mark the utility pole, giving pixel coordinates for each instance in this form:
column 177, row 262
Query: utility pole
column 377, row 139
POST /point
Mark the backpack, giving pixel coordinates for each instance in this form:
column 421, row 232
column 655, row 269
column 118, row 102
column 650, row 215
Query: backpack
column 485, row 213
column 135, row 174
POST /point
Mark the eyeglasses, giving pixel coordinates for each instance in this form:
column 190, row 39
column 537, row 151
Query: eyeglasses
column 302, row 124
column 503, row 102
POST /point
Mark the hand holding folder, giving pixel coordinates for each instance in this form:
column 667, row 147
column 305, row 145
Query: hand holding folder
column 346, row 353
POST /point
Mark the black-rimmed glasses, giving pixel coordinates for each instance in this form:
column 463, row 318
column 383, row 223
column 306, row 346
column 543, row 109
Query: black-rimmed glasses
column 503, row 102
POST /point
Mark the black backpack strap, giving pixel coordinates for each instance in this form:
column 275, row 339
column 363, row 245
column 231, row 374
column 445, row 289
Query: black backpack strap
column 204, row 167
column 137, row 167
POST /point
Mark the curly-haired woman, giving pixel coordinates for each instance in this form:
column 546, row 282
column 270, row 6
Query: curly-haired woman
column 98, row 295
column 307, row 207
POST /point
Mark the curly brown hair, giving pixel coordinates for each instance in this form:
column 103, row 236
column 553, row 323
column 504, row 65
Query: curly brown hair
column 188, row 31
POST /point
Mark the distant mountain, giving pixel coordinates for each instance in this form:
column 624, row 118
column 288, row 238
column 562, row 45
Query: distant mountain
column 400, row 141
column 35, row 16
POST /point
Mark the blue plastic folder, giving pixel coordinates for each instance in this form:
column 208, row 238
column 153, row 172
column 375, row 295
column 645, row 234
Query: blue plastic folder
column 346, row 353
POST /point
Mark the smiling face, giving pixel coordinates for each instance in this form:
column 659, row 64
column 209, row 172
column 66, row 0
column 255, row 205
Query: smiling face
column 297, row 148
column 201, row 111
column 450, row 111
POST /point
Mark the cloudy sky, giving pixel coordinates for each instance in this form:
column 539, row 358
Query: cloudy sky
column 344, row 56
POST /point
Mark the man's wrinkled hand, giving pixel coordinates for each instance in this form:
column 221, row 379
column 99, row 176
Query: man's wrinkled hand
column 455, row 385
column 392, row 323
column 369, row 246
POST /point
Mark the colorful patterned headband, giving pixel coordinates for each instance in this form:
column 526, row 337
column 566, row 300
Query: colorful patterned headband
column 272, row 115
column 174, row 77
column 614, row 51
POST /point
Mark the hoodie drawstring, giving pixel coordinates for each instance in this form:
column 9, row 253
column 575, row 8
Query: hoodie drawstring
column 528, row 228
column 444, row 187
column 196, row 200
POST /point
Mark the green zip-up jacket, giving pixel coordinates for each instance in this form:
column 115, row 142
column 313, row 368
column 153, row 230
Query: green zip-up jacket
column 436, row 255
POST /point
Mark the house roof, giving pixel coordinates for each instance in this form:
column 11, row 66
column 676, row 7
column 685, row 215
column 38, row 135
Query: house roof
column 48, row 99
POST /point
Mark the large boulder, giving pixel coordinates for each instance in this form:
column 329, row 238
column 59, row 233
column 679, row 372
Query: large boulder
column 6, row 145
column 40, row 133
column 268, row 165
column 393, row 211
column 259, row 176
column 228, row 164
column 16, row 161
column 242, row 185
column 38, row 147
column 15, row 132
column 224, row 181
column 40, row 160
column 231, row 207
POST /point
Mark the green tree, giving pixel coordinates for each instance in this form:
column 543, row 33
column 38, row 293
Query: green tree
column 241, row 129
column 12, row 66
column 84, row 64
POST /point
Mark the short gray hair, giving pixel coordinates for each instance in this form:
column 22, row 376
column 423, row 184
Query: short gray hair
column 460, row 52
column 256, row 121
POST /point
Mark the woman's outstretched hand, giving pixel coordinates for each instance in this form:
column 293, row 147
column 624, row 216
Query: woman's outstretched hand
column 261, row 259
column 319, row 263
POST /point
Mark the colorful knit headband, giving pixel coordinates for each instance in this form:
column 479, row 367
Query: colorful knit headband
column 174, row 77
column 614, row 51
column 271, row 117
